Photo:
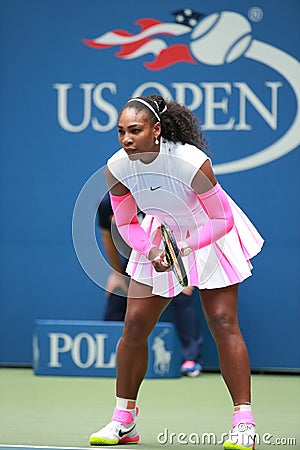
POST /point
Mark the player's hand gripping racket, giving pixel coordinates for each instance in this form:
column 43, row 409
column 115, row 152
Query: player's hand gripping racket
column 173, row 254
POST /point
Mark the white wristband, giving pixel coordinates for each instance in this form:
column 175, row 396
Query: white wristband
column 185, row 250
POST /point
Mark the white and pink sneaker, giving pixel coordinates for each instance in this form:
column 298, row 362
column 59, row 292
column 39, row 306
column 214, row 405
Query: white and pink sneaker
column 121, row 430
column 242, row 437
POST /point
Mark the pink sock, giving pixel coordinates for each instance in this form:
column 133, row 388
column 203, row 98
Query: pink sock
column 123, row 416
column 243, row 417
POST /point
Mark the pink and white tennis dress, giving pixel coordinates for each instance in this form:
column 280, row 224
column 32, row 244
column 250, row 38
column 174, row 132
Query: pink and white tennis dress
column 162, row 190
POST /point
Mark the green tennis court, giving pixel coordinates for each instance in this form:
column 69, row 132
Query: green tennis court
column 177, row 413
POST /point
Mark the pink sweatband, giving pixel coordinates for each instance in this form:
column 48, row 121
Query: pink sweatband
column 242, row 417
column 125, row 212
column 123, row 416
column 216, row 205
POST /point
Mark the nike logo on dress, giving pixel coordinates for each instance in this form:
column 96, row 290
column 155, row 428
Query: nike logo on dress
column 122, row 433
column 154, row 188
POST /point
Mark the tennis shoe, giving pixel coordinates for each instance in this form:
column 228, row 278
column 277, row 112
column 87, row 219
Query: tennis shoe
column 121, row 430
column 242, row 437
column 191, row 369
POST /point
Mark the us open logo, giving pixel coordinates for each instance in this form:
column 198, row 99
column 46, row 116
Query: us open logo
column 220, row 41
column 216, row 40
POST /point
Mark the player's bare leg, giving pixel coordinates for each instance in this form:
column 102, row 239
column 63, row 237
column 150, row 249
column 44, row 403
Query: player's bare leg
column 220, row 308
column 143, row 311
column 142, row 314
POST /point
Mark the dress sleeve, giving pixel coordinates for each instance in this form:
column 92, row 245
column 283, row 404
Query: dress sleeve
column 191, row 159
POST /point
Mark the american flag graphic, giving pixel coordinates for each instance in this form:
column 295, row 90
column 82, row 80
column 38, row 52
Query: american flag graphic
column 149, row 40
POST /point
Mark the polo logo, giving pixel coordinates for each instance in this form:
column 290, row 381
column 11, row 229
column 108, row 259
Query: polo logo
column 162, row 356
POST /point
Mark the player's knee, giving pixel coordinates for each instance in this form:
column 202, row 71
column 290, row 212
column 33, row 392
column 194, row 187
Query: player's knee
column 222, row 322
column 135, row 330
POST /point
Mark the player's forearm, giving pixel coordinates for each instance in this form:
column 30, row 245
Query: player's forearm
column 125, row 213
column 216, row 205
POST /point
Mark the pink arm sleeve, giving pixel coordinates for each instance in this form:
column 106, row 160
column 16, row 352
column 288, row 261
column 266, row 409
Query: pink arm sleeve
column 216, row 205
column 125, row 212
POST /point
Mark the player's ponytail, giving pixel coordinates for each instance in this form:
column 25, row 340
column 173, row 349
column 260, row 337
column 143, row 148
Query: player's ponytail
column 178, row 123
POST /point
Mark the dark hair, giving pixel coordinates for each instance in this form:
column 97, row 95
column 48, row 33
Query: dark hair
column 178, row 123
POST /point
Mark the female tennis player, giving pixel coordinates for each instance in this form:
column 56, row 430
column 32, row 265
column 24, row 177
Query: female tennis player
column 163, row 169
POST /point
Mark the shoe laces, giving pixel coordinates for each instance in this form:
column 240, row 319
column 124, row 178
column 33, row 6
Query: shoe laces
column 111, row 426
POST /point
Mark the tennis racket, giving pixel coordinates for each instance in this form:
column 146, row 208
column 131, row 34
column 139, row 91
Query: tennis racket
column 173, row 254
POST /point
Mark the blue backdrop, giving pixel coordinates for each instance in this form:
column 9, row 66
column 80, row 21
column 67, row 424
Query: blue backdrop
column 67, row 67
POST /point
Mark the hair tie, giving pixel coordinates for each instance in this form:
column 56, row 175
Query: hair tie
column 154, row 101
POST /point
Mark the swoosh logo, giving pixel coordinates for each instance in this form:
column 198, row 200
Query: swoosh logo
column 154, row 188
column 122, row 433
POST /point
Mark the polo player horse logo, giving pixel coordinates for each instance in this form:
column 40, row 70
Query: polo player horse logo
column 162, row 357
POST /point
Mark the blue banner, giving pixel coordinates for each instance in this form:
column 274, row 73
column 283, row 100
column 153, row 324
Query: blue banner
column 88, row 348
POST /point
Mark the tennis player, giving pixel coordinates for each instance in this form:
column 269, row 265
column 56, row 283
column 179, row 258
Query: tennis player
column 163, row 168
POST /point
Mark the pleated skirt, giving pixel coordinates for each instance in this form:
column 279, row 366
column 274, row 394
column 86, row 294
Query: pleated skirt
column 223, row 263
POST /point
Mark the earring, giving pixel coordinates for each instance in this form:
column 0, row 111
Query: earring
column 156, row 141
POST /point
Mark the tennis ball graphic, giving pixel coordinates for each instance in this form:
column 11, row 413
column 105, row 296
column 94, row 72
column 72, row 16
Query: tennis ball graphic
column 220, row 38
